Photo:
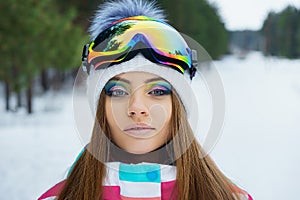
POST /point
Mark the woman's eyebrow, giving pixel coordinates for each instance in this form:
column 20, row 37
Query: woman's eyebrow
column 120, row 79
column 154, row 79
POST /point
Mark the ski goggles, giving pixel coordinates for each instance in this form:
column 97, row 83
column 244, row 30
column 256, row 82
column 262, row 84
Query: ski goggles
column 156, row 40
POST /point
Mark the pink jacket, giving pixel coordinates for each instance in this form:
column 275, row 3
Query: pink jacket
column 143, row 181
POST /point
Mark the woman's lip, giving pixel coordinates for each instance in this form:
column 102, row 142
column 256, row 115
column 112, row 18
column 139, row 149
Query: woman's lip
column 139, row 130
column 138, row 127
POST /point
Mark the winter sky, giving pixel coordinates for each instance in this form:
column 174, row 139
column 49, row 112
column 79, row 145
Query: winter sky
column 249, row 14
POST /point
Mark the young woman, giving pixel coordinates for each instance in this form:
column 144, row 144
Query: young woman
column 143, row 143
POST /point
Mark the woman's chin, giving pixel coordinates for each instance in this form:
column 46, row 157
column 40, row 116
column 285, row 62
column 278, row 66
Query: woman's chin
column 138, row 151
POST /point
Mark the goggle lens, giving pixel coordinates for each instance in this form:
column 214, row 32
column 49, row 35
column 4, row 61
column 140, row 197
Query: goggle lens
column 159, row 41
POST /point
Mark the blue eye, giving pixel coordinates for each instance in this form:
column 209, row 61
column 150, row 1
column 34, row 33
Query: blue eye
column 159, row 92
column 117, row 93
column 115, row 89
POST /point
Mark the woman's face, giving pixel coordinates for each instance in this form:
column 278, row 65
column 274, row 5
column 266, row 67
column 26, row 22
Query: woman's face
column 138, row 108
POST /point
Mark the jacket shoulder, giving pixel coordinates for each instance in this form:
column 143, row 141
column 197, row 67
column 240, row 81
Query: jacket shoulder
column 241, row 193
column 53, row 192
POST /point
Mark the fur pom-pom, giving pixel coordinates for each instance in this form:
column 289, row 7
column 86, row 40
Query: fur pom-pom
column 112, row 11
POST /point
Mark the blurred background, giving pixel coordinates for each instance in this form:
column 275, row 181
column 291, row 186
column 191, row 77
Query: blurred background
column 256, row 48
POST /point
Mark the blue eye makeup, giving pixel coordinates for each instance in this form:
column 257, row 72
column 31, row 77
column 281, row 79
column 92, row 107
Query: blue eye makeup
column 159, row 88
column 116, row 88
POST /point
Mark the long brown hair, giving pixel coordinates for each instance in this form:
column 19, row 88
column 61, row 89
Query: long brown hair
column 197, row 176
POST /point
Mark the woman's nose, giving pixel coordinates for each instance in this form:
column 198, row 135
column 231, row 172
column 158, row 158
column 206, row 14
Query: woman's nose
column 137, row 106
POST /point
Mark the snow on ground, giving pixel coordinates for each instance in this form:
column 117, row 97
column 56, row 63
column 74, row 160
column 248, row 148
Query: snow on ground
column 261, row 138
column 259, row 147
column 37, row 149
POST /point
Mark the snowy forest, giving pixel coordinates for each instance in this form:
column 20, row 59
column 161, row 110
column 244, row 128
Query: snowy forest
column 43, row 40
column 281, row 32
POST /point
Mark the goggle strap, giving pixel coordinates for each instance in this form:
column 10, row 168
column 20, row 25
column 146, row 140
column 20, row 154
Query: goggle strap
column 194, row 57
column 85, row 53
column 193, row 69
column 192, row 72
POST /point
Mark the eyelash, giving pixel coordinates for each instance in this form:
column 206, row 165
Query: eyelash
column 116, row 91
column 120, row 91
column 161, row 89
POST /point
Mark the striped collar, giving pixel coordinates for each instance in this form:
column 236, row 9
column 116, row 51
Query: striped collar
column 139, row 181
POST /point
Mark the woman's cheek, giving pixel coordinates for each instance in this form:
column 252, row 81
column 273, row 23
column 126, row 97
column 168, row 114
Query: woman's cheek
column 160, row 114
column 117, row 112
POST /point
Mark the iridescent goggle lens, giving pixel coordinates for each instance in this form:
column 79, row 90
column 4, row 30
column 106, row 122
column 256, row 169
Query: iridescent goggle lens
column 156, row 40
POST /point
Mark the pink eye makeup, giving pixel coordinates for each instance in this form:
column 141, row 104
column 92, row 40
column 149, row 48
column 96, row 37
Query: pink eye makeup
column 116, row 88
column 159, row 88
